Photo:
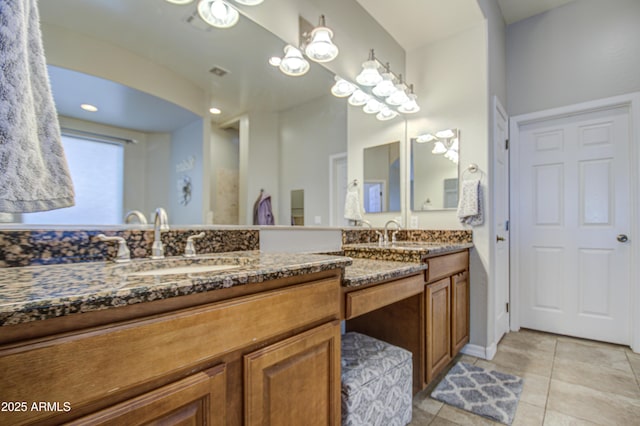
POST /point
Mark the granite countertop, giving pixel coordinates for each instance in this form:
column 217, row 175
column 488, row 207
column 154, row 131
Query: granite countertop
column 368, row 271
column 403, row 251
column 41, row 292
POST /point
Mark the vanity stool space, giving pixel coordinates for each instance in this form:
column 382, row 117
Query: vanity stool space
column 376, row 382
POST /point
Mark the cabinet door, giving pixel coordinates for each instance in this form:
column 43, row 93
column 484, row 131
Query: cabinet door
column 196, row 400
column 460, row 312
column 296, row 381
column 438, row 302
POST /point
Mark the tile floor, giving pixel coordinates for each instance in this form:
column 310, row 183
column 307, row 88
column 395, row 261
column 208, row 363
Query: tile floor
column 567, row 381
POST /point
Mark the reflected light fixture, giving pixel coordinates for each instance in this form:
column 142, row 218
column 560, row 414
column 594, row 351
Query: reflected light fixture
column 445, row 142
column 386, row 113
column 181, row 2
column 293, row 63
column 218, row 13
column 372, row 106
column 342, row 88
column 369, row 76
column 358, row 98
column 319, row 47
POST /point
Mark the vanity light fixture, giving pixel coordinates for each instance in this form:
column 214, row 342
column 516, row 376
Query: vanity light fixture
column 293, row 63
column 181, row 2
column 384, row 94
column 444, row 142
column 218, row 13
column 89, row 107
column 319, row 46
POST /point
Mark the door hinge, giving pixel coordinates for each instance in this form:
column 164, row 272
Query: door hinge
column 507, row 307
column 506, row 225
column 506, row 144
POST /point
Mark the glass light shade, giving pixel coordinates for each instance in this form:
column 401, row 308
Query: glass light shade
column 369, row 76
column 249, row 2
column 372, row 106
column 359, row 98
column 293, row 63
column 409, row 107
column 385, row 87
column 455, row 145
column 425, row 138
column 275, row 61
column 386, row 113
column 452, row 155
column 218, row 13
column 321, row 48
column 180, row 1
column 445, row 134
column 398, row 97
column 342, row 88
column 439, row 148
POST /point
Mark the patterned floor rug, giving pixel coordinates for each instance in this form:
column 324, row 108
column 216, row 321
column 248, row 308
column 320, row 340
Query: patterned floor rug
column 487, row 393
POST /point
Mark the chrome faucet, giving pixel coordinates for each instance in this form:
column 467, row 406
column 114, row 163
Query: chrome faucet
column 378, row 233
column 124, row 255
column 137, row 214
column 393, row 236
column 160, row 223
column 190, row 248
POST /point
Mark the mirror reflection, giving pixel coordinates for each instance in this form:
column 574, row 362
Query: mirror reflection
column 434, row 171
column 153, row 70
column 381, row 186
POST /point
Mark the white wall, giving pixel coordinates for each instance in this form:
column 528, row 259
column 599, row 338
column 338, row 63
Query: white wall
column 158, row 182
column 309, row 135
column 185, row 143
column 452, row 88
column 584, row 50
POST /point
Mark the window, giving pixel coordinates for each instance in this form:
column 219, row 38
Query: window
column 97, row 170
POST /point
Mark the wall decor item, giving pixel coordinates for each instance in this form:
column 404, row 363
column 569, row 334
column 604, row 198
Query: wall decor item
column 184, row 190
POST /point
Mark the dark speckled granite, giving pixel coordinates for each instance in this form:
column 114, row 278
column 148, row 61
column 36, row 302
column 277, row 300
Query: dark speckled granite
column 368, row 271
column 47, row 247
column 364, row 235
column 402, row 251
column 41, row 292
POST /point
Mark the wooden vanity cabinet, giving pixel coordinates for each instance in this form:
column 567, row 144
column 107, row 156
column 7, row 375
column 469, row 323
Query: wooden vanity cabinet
column 447, row 310
column 272, row 357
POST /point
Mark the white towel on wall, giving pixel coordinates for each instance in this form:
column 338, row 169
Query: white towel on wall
column 33, row 169
column 352, row 205
column 470, row 209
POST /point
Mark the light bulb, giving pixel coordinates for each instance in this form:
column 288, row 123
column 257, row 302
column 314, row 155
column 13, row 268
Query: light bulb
column 398, row 97
column 439, row 148
column 249, row 2
column 342, row 88
column 369, row 76
column 372, row 106
column 293, row 63
column 411, row 106
column 218, row 13
column 386, row 113
column 385, row 87
column 425, row 138
column 321, row 48
column 180, row 1
column 445, row 134
column 358, row 98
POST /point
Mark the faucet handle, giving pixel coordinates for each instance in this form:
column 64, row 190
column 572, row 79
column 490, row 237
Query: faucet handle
column 124, row 255
column 393, row 236
column 190, row 248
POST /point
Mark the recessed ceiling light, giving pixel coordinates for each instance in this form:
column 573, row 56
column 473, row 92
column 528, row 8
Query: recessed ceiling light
column 89, row 107
column 215, row 110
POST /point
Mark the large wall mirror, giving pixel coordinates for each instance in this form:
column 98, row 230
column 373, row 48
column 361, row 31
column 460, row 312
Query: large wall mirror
column 434, row 171
column 153, row 69
column 381, row 186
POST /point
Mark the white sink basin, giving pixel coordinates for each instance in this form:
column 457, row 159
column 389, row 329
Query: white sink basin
column 187, row 269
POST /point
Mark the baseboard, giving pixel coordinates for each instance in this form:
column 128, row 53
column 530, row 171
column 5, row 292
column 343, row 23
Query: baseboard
column 480, row 351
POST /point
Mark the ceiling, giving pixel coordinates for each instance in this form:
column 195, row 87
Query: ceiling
column 414, row 23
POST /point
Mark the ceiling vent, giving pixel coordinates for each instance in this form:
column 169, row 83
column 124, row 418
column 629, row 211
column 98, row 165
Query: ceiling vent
column 220, row 72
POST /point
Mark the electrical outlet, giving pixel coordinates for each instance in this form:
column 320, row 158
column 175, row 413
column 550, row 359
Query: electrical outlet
column 414, row 222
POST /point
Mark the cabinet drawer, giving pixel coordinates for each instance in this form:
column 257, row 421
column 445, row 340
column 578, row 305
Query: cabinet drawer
column 362, row 301
column 447, row 265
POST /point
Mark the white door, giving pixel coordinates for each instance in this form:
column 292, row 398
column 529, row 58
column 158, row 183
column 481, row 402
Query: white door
column 501, row 218
column 574, row 210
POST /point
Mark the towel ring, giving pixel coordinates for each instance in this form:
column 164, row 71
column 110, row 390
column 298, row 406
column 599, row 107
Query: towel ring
column 472, row 168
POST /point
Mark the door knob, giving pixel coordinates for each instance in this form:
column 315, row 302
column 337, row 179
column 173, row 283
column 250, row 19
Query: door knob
column 499, row 238
column 622, row 238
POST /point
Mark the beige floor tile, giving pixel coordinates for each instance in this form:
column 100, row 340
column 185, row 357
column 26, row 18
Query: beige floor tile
column 594, row 354
column 420, row 418
column 520, row 362
column 553, row 418
column 588, row 404
column 427, row 404
column 468, row 359
column 634, row 361
column 463, row 417
column 527, row 340
column 602, row 378
column 439, row 421
column 528, row 415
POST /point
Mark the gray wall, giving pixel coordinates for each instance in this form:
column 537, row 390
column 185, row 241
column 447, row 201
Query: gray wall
column 584, row 50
